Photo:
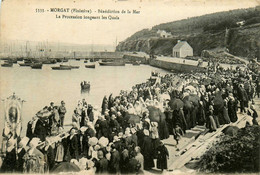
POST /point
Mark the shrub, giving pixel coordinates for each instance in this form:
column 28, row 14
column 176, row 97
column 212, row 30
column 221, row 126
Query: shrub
column 239, row 153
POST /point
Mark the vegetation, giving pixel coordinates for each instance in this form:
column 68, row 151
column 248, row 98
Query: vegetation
column 231, row 154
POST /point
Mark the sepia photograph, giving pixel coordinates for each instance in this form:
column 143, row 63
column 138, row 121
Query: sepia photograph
column 129, row 87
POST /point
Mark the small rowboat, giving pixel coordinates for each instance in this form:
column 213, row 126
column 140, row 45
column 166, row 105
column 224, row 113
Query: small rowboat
column 90, row 66
column 84, row 85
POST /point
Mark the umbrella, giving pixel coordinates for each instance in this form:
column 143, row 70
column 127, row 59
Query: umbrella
column 65, row 167
column 193, row 98
column 176, row 104
column 134, row 119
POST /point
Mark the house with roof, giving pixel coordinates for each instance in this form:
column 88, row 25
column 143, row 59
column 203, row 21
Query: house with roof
column 164, row 34
column 182, row 49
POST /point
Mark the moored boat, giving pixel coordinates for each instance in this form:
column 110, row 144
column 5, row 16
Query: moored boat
column 7, row 64
column 90, row 66
column 25, row 64
column 36, row 65
column 111, row 63
column 61, row 68
column 72, row 67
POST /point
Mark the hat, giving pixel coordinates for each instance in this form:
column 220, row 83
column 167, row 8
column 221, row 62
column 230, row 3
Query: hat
column 97, row 147
column 133, row 130
column 120, row 135
column 116, row 138
column 62, row 102
column 83, row 128
column 23, row 143
column 146, row 132
column 93, row 141
column 127, row 133
column 103, row 141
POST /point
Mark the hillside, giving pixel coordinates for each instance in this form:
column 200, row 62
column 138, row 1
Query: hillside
column 203, row 33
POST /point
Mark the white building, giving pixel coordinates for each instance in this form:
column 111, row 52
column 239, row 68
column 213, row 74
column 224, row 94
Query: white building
column 182, row 49
column 164, row 34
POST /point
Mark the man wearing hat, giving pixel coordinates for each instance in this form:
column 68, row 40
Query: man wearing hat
column 62, row 111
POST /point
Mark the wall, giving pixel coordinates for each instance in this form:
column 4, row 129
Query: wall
column 176, row 67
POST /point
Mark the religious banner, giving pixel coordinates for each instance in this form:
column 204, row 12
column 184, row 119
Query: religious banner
column 13, row 116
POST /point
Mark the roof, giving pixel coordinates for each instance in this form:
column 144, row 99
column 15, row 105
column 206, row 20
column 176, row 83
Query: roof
column 180, row 44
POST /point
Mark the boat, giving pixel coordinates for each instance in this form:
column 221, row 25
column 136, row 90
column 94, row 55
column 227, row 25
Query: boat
column 7, row 64
column 136, row 63
column 61, row 68
column 25, row 64
column 90, row 66
column 36, row 65
column 53, row 61
column 65, row 60
column 20, row 59
column 111, row 63
column 59, row 60
column 86, row 61
column 84, row 85
column 14, row 61
column 72, row 67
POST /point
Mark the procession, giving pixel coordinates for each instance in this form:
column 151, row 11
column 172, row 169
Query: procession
column 125, row 135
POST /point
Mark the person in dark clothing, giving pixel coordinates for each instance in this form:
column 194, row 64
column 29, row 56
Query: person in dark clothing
column 9, row 162
column 114, row 161
column 162, row 157
column 42, row 128
column 146, row 150
column 62, row 111
column 102, row 167
column 232, row 109
column 20, row 153
column 90, row 113
column 104, row 127
column 29, row 132
column 254, row 115
column 73, row 144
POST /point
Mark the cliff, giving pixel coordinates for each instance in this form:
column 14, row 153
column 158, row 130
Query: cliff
column 207, row 32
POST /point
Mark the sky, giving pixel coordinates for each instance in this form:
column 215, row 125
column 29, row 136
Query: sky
column 19, row 20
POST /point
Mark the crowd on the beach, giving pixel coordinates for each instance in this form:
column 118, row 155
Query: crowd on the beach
column 125, row 135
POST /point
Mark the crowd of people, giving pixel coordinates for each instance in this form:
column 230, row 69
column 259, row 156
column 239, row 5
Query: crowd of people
column 126, row 134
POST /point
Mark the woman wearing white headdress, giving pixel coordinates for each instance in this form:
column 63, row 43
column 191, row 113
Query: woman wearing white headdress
column 34, row 159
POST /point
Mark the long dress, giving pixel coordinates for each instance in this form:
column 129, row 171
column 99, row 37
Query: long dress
column 73, row 147
column 146, row 150
column 162, row 157
column 59, row 152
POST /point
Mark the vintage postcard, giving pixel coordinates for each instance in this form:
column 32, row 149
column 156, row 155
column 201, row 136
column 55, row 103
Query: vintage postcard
column 129, row 86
